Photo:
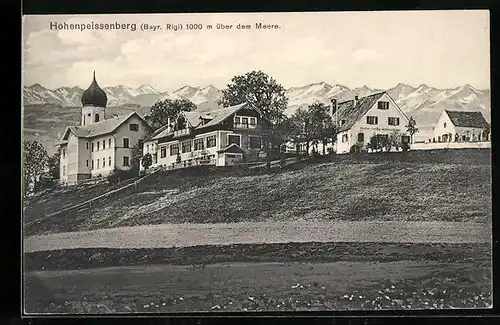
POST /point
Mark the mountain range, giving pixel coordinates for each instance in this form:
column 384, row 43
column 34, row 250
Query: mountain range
column 423, row 102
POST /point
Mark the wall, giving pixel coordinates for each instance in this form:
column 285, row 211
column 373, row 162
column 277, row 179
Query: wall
column 72, row 158
column 440, row 129
column 134, row 136
column 99, row 155
column 383, row 127
column 63, row 163
column 92, row 110
column 450, row 145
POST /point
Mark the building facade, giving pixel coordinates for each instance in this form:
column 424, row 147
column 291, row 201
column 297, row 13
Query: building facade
column 221, row 137
column 99, row 145
column 461, row 126
column 360, row 119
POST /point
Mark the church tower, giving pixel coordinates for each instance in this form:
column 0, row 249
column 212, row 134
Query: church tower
column 94, row 102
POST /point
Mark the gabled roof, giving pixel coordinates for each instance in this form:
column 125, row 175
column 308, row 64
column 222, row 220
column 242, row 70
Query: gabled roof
column 467, row 119
column 100, row 128
column 156, row 133
column 232, row 148
column 351, row 114
column 220, row 115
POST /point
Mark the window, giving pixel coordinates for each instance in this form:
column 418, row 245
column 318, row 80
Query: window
column 345, row 137
column 254, row 142
column 92, row 146
column 103, row 162
column 92, row 165
column 244, row 121
column 444, row 125
column 96, row 118
column 98, row 145
column 372, row 120
column 87, row 163
column 125, row 142
column 233, row 138
column 199, row 144
column 342, row 122
column 236, row 120
column 174, row 149
column 393, row 120
column 125, row 161
column 253, row 121
column 64, row 153
column 383, row 105
column 186, row 146
column 103, row 144
column 87, row 145
column 64, row 170
column 211, row 141
column 163, row 152
column 361, row 137
column 133, row 127
column 109, row 143
column 109, row 161
column 147, row 147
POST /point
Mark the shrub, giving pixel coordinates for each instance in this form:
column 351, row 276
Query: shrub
column 405, row 146
column 118, row 175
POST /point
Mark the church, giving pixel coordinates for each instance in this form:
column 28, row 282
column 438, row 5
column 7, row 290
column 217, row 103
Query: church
column 99, row 145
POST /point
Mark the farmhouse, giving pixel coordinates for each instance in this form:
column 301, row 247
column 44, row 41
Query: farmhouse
column 361, row 118
column 461, row 126
column 98, row 145
column 221, row 137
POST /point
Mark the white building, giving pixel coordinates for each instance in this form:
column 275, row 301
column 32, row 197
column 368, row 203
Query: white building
column 461, row 126
column 361, row 118
column 221, row 137
column 99, row 145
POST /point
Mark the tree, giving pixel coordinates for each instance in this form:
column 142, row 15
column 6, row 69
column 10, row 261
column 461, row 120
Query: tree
column 135, row 159
column 147, row 160
column 323, row 128
column 411, row 128
column 166, row 109
column 54, row 165
column 35, row 159
column 259, row 90
column 303, row 128
column 395, row 139
column 275, row 135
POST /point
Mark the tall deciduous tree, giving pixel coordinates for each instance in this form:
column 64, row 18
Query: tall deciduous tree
column 411, row 128
column 167, row 109
column 303, row 127
column 323, row 128
column 260, row 90
column 35, row 159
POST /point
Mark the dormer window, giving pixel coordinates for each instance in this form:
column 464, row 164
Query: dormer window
column 342, row 122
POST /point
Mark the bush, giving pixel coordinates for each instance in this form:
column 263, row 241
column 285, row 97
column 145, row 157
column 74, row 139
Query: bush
column 405, row 146
column 118, row 175
column 356, row 148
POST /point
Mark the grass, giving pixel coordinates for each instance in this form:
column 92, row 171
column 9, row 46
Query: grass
column 289, row 277
column 439, row 185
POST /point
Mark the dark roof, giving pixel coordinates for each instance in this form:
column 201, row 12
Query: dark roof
column 351, row 114
column 94, row 95
column 467, row 119
column 104, row 127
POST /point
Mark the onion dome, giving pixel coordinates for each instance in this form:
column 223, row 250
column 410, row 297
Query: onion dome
column 94, row 95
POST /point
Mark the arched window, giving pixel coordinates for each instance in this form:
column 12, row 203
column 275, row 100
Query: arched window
column 96, row 117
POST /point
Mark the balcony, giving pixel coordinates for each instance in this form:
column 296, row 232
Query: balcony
column 244, row 126
column 183, row 132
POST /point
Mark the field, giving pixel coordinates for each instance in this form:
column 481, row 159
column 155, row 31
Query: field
column 400, row 255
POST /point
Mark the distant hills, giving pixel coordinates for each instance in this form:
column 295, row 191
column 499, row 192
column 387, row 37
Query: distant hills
column 423, row 102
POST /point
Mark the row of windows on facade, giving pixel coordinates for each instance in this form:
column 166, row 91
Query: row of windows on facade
column 373, row 120
column 245, row 120
column 96, row 146
column 211, row 141
column 126, row 163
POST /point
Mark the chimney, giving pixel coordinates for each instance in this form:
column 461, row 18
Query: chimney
column 334, row 105
column 356, row 98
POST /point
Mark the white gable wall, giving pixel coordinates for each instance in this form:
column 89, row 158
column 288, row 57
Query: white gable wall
column 444, row 126
column 123, row 131
column 368, row 130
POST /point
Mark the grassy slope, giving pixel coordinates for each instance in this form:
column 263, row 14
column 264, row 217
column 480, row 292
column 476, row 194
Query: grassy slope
column 436, row 185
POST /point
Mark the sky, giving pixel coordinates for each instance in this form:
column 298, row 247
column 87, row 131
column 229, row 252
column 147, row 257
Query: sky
column 443, row 49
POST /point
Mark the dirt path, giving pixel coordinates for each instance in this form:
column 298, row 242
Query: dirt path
column 184, row 235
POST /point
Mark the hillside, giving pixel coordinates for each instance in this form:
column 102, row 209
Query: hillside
column 420, row 186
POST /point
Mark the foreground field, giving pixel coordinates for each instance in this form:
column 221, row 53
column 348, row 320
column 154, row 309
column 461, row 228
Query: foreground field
column 419, row 186
column 310, row 276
